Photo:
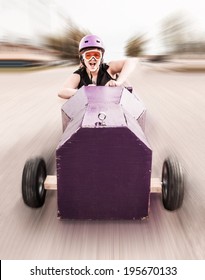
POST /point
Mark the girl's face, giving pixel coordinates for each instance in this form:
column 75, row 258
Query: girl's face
column 92, row 59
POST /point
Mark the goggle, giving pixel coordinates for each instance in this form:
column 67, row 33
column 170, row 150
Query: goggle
column 88, row 55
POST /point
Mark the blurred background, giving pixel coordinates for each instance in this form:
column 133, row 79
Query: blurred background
column 38, row 51
column 49, row 30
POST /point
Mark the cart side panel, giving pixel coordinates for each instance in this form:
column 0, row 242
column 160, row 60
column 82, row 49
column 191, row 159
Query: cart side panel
column 132, row 104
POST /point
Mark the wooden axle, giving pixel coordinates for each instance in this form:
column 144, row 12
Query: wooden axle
column 51, row 184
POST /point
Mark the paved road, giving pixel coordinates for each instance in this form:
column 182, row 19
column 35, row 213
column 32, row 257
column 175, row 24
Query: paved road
column 31, row 125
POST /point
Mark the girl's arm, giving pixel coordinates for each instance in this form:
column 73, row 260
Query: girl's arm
column 123, row 67
column 70, row 86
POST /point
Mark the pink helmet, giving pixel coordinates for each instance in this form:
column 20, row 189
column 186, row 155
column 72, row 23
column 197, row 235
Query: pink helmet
column 91, row 41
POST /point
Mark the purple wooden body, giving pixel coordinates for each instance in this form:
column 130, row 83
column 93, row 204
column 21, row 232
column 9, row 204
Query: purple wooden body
column 103, row 171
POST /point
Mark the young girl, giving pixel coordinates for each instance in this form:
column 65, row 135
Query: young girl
column 93, row 71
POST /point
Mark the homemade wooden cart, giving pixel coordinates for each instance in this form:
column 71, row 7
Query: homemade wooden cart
column 103, row 161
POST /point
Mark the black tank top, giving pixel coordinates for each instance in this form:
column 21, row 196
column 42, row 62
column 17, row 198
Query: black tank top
column 102, row 79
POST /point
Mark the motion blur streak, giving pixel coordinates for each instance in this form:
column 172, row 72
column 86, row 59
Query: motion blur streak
column 31, row 125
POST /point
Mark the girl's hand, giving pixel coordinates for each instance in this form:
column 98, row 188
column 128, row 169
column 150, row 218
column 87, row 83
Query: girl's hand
column 113, row 83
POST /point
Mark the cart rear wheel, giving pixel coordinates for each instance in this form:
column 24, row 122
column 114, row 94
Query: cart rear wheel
column 34, row 175
column 172, row 184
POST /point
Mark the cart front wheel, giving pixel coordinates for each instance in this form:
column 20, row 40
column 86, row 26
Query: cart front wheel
column 34, row 175
column 172, row 184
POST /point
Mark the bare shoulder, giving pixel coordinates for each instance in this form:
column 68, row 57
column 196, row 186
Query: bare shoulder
column 116, row 66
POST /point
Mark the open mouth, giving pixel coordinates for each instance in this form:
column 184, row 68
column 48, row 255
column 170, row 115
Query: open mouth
column 92, row 64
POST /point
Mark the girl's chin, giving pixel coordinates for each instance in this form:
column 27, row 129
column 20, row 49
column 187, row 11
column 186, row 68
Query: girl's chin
column 93, row 69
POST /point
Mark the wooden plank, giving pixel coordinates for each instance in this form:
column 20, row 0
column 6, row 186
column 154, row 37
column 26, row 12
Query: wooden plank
column 156, row 186
column 51, row 182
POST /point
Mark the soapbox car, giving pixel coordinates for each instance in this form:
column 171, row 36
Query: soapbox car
column 103, row 161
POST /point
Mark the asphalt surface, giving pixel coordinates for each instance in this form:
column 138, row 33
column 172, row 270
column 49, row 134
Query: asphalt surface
column 31, row 125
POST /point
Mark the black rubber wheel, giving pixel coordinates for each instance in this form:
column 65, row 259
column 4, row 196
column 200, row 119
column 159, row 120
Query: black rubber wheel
column 172, row 184
column 34, row 175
